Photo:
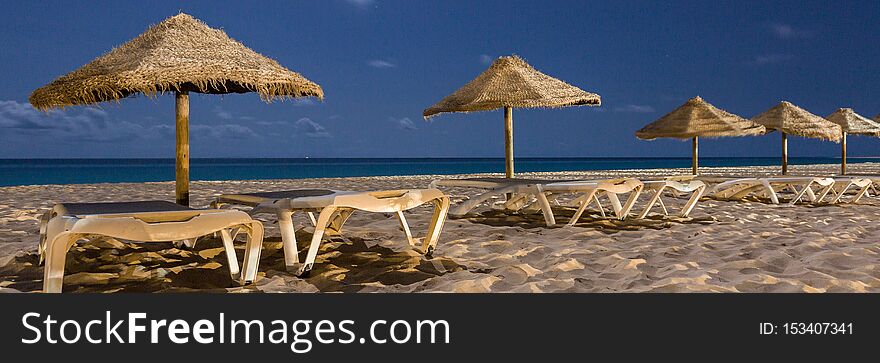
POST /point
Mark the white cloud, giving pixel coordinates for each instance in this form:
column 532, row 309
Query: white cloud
column 311, row 128
column 785, row 31
column 635, row 108
column 771, row 59
column 403, row 123
column 82, row 123
column 485, row 59
column 225, row 131
column 378, row 63
column 272, row 123
column 222, row 114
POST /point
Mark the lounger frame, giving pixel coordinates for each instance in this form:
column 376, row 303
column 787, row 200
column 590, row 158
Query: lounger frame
column 59, row 231
column 334, row 210
column 525, row 194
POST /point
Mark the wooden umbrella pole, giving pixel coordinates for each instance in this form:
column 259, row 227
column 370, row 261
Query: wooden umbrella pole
column 182, row 148
column 694, row 162
column 843, row 154
column 508, row 142
column 784, row 154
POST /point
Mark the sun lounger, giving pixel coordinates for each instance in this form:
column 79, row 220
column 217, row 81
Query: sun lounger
column 859, row 186
column 144, row 221
column 695, row 187
column 335, row 207
column 874, row 188
column 536, row 192
column 802, row 187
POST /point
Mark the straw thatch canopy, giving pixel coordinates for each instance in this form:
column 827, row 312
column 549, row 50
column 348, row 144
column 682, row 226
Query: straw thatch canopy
column 511, row 82
column 877, row 118
column 698, row 118
column 179, row 54
column 853, row 123
column 793, row 120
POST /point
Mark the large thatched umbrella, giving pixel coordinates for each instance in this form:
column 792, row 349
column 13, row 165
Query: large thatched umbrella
column 851, row 123
column 697, row 118
column 790, row 119
column 511, row 82
column 180, row 54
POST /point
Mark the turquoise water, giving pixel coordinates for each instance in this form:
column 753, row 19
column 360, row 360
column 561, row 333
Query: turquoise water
column 72, row 171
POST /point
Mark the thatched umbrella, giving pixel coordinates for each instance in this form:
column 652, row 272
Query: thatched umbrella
column 511, row 82
column 697, row 118
column 851, row 123
column 180, row 54
column 790, row 119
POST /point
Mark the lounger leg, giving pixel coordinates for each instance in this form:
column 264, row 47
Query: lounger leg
column 768, row 189
column 692, row 202
column 441, row 208
column 312, row 218
column 651, row 202
column 402, row 219
column 799, row 194
column 811, row 195
column 630, row 202
column 549, row 219
column 288, row 239
column 599, row 205
column 44, row 233
column 860, row 194
column 56, row 255
column 252, row 250
column 585, row 202
column 663, row 206
column 824, row 192
column 615, row 204
column 322, row 222
column 842, row 192
column 231, row 258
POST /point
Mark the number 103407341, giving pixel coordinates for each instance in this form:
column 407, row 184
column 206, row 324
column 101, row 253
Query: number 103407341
column 802, row 328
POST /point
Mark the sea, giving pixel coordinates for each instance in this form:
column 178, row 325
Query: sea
column 78, row 171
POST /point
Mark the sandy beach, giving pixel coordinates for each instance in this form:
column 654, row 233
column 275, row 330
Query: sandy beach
column 723, row 247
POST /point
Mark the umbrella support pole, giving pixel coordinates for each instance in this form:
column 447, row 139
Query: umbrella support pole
column 694, row 162
column 508, row 142
column 182, row 148
column 784, row 154
column 843, row 154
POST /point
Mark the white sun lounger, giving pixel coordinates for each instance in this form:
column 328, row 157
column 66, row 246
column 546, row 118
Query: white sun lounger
column 875, row 182
column 144, row 221
column 860, row 186
column 528, row 192
column 810, row 189
column 335, row 207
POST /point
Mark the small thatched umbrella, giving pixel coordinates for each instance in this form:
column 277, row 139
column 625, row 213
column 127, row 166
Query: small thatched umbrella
column 697, row 118
column 851, row 123
column 511, row 82
column 790, row 119
column 180, row 54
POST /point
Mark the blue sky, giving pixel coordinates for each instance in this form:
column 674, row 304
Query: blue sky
column 382, row 62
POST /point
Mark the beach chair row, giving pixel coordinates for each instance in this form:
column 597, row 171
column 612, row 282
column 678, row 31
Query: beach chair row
column 231, row 215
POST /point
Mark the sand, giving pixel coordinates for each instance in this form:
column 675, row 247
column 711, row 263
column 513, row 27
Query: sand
column 723, row 247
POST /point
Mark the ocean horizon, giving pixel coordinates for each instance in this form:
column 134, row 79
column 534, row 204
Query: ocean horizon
column 14, row 172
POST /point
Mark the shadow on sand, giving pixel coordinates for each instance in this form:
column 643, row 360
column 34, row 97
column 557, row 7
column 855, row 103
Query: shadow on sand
column 343, row 264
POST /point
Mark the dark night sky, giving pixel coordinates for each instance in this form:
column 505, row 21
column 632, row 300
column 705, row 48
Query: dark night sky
column 382, row 62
